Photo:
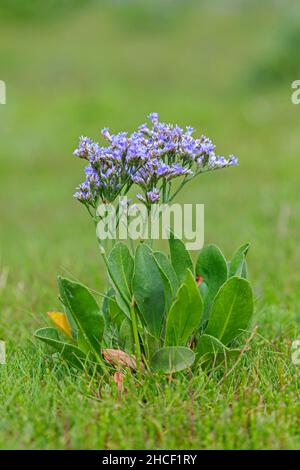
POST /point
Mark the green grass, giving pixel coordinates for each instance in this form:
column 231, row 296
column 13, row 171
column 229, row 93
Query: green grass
column 256, row 406
column 111, row 65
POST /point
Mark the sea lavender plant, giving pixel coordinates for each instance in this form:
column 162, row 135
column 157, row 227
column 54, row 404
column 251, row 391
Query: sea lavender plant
column 162, row 313
column 151, row 158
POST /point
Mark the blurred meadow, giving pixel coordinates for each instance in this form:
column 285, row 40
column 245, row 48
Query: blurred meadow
column 72, row 68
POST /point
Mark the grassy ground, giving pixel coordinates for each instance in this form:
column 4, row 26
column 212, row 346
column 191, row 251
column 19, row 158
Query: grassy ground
column 75, row 73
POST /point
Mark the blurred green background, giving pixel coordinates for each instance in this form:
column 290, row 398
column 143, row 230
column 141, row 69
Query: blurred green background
column 71, row 68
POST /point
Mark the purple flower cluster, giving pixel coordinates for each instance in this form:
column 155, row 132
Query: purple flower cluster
column 152, row 157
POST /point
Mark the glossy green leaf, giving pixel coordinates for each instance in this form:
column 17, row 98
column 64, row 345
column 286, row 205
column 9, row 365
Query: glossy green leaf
column 120, row 267
column 238, row 265
column 85, row 312
column 122, row 304
column 73, row 355
column 126, row 336
column 82, row 343
column 211, row 349
column 150, row 344
column 109, row 329
column 212, row 267
column 185, row 313
column 116, row 314
column 180, row 258
column 209, row 344
column 172, row 359
column 148, row 289
column 105, row 304
column 231, row 311
column 168, row 276
column 64, row 300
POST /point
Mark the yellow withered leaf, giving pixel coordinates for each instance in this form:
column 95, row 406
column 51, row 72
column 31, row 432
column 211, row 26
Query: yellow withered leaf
column 60, row 320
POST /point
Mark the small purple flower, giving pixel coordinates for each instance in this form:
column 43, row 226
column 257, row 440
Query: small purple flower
column 143, row 128
column 82, row 150
column 233, row 160
column 178, row 170
column 154, row 195
column 150, row 158
column 105, row 133
column 84, row 193
column 153, row 117
column 189, row 130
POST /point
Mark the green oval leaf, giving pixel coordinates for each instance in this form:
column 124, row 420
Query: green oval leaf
column 148, row 289
column 209, row 349
column 185, row 313
column 105, row 304
column 116, row 314
column 73, row 355
column 85, row 311
column 238, row 265
column 172, row 359
column 120, row 267
column 212, row 267
column 67, row 310
column 168, row 276
column 231, row 311
column 208, row 344
column 180, row 258
column 126, row 336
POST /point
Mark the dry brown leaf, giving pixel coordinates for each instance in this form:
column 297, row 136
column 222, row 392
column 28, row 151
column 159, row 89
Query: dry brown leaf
column 117, row 357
